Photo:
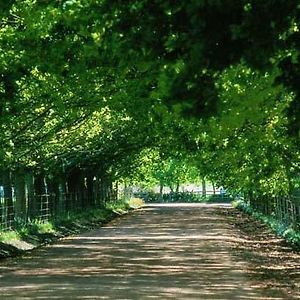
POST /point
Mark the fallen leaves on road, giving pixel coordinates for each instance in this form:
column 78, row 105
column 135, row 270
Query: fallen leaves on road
column 272, row 262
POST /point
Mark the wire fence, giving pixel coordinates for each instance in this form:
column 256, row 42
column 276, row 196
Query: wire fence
column 285, row 209
column 9, row 216
column 45, row 207
column 6, row 217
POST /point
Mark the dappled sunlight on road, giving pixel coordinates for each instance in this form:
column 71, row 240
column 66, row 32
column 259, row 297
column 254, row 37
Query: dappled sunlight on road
column 161, row 252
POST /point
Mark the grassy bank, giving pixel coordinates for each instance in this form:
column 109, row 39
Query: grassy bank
column 290, row 234
column 36, row 233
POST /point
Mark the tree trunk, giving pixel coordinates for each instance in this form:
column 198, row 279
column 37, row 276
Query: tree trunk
column 203, row 187
column 82, row 190
column 89, row 190
column 30, row 195
column 20, row 194
column 161, row 190
column 214, row 188
column 61, row 194
column 109, row 189
column 41, row 196
column 116, row 190
column 74, row 186
column 100, row 191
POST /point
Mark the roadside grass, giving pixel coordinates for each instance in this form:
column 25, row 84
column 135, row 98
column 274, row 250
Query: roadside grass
column 287, row 232
column 38, row 232
column 9, row 235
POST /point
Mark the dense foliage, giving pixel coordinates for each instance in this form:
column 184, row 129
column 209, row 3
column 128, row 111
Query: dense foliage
column 98, row 83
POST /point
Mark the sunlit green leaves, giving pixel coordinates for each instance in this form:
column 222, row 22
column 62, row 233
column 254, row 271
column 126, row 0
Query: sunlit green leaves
column 249, row 138
column 96, row 82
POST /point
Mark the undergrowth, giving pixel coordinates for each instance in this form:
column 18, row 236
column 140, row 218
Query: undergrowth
column 9, row 235
column 38, row 231
column 287, row 232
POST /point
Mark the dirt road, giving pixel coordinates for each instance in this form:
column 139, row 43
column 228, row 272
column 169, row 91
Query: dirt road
column 160, row 252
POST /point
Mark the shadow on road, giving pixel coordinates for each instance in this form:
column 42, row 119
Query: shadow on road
column 161, row 252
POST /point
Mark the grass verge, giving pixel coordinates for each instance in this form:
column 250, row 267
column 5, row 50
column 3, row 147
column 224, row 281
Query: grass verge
column 290, row 234
column 35, row 233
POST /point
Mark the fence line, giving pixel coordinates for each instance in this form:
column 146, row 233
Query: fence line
column 40, row 197
column 285, row 209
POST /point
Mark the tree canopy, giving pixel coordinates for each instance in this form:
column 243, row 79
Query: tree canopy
column 95, row 83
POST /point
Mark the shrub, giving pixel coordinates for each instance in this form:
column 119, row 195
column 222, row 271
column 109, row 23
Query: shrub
column 136, row 202
column 285, row 231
